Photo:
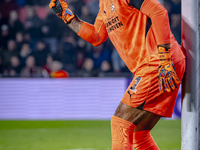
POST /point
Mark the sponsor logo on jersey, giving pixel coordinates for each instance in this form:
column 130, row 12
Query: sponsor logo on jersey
column 113, row 23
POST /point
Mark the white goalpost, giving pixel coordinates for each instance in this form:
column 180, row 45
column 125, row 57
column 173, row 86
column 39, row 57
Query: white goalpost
column 191, row 84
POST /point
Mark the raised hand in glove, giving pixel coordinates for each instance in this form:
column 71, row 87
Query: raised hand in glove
column 60, row 7
column 168, row 79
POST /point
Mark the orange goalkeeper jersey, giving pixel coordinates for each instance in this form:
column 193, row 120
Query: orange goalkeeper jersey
column 136, row 28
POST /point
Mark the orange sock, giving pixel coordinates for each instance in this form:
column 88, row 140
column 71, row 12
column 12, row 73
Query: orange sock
column 142, row 140
column 122, row 134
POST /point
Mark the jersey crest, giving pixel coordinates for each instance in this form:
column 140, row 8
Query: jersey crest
column 112, row 7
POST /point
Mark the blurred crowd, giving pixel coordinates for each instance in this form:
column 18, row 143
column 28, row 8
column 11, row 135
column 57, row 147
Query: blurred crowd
column 34, row 42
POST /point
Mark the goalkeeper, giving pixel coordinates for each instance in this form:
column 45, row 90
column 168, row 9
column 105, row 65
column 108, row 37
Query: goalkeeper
column 140, row 31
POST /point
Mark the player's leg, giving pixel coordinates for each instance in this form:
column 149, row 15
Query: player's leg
column 142, row 139
column 131, row 121
column 127, row 123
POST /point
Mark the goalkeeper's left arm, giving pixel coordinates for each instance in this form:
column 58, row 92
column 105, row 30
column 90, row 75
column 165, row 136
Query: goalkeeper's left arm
column 168, row 79
column 95, row 34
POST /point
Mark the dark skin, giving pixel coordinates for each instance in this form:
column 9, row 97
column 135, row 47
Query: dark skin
column 143, row 120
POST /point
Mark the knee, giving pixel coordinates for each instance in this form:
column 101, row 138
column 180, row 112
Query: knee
column 122, row 134
column 117, row 124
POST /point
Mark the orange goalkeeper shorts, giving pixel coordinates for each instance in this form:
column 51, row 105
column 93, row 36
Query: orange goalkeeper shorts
column 143, row 92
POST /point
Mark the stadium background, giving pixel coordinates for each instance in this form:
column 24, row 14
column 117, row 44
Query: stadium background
column 34, row 43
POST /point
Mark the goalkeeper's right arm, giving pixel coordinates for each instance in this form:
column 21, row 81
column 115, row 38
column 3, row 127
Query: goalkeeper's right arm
column 95, row 34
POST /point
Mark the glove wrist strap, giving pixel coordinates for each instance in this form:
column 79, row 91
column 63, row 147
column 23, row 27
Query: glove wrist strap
column 164, row 53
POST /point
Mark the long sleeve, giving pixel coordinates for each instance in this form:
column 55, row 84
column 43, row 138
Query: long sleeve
column 95, row 34
column 159, row 17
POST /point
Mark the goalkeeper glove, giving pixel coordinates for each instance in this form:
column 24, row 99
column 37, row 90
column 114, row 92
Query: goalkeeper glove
column 168, row 79
column 60, row 7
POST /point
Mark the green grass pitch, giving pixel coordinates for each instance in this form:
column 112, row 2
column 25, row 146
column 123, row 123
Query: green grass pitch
column 76, row 135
